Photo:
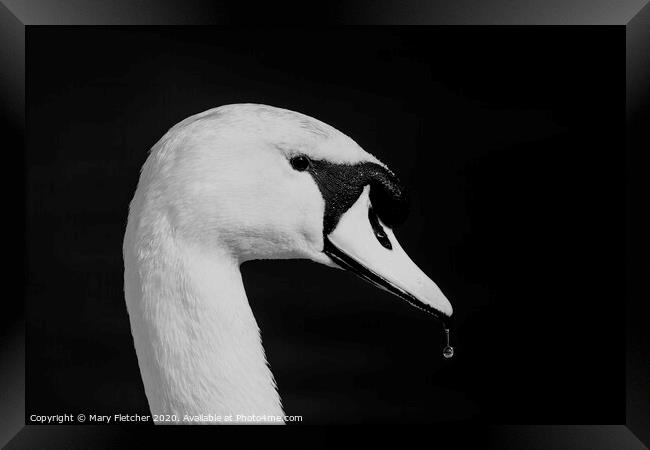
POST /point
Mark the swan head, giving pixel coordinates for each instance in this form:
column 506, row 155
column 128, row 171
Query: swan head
column 259, row 182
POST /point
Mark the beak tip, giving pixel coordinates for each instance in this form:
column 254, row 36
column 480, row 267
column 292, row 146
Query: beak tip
column 439, row 302
column 446, row 312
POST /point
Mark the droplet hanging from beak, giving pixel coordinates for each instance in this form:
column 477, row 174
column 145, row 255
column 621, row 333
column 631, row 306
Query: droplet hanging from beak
column 448, row 351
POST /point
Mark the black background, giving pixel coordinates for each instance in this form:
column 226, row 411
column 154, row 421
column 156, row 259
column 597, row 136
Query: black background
column 509, row 139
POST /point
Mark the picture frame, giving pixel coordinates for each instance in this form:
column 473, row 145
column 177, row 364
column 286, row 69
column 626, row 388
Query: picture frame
column 632, row 19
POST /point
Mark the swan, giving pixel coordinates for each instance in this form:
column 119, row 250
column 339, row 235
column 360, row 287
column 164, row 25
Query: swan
column 232, row 184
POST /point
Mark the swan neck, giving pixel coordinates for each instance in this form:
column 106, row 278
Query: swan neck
column 197, row 341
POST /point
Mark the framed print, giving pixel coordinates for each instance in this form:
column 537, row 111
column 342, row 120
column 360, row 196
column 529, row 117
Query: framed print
column 479, row 179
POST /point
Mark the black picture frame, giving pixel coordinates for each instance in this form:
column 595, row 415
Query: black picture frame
column 633, row 17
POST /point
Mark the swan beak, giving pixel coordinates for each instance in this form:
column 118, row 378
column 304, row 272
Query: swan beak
column 362, row 244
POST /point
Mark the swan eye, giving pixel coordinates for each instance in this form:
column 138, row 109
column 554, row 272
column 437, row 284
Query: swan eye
column 300, row 163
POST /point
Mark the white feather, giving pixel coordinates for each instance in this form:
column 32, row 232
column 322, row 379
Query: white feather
column 215, row 191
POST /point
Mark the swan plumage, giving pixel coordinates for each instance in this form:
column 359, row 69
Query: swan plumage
column 219, row 189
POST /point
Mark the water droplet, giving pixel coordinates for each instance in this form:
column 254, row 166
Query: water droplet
column 448, row 351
